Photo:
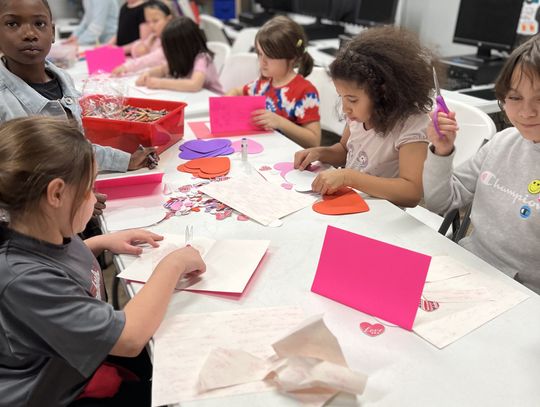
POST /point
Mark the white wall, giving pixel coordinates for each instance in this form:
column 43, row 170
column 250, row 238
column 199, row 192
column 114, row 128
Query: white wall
column 434, row 21
column 62, row 9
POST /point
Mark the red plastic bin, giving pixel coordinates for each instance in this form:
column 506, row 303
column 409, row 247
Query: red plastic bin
column 128, row 135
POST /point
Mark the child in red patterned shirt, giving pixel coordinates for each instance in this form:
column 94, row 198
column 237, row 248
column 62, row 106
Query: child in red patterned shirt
column 292, row 102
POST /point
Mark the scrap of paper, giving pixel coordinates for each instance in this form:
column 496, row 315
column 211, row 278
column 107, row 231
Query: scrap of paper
column 254, row 197
column 201, row 130
column 183, row 343
column 229, row 263
column 458, row 318
column 231, row 115
column 308, row 360
column 371, row 276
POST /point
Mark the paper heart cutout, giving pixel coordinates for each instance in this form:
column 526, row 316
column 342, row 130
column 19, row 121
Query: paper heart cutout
column 211, row 167
column 284, row 168
column 371, row 329
column 428, row 305
column 205, row 146
column 343, row 202
column 252, row 146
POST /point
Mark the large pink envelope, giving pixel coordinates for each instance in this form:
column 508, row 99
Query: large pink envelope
column 231, row 115
column 371, row 276
column 130, row 185
column 104, row 59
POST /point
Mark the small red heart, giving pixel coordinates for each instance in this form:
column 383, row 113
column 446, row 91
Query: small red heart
column 428, row 305
column 371, row 329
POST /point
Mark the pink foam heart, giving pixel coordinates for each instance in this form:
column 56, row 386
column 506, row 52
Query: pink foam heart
column 284, row 168
column 252, row 146
column 371, row 329
column 287, row 186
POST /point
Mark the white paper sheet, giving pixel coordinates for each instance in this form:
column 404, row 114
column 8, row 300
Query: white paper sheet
column 257, row 198
column 445, row 267
column 133, row 217
column 301, row 180
column 486, row 298
column 229, row 263
column 183, row 342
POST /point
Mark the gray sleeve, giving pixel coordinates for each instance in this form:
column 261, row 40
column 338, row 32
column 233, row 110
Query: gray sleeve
column 111, row 159
column 445, row 189
column 47, row 312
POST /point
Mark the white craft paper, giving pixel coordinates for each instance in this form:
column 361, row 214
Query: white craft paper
column 257, row 198
column 133, row 217
column 453, row 320
column 301, row 180
column 183, row 343
column 445, row 267
column 229, row 263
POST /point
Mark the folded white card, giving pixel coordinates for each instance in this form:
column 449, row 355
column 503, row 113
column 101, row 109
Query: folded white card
column 229, row 263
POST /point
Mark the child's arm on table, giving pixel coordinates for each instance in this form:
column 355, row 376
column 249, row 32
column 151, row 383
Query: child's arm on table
column 306, row 135
column 193, row 84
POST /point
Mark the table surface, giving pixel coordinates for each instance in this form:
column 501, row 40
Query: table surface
column 495, row 365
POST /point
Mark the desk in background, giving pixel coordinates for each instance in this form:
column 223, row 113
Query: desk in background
column 495, row 365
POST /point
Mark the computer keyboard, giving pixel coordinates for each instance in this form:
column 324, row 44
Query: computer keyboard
column 455, row 84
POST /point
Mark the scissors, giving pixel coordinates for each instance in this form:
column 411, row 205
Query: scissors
column 440, row 104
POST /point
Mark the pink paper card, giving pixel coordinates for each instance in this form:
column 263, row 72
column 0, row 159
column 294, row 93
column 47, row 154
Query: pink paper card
column 231, row 115
column 130, row 185
column 371, row 276
column 104, row 59
column 200, row 129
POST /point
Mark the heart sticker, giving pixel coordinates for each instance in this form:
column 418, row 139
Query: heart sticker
column 371, row 329
column 427, row 305
column 343, row 202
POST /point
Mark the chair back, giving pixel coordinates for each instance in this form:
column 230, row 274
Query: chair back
column 221, row 53
column 475, row 127
column 329, row 99
column 245, row 40
column 238, row 70
column 213, row 29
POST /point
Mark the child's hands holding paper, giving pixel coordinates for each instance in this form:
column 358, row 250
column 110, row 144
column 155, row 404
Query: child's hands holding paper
column 186, row 257
column 266, row 119
column 303, row 158
column 329, row 181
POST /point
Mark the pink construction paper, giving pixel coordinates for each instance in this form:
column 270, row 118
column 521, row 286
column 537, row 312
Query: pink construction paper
column 104, row 59
column 130, row 185
column 200, row 129
column 231, row 115
column 252, row 146
column 371, row 276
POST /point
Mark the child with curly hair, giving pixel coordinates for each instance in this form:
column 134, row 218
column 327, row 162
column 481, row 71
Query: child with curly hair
column 384, row 79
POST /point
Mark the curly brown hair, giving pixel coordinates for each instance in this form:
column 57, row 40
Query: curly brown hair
column 393, row 68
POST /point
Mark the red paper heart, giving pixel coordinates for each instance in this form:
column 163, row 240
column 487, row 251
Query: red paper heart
column 343, row 202
column 371, row 329
column 208, row 167
column 427, row 305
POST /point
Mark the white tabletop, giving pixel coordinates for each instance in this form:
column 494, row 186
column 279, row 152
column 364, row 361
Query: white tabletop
column 495, row 365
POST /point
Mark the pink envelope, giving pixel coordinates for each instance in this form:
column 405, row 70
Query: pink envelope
column 371, row 276
column 231, row 115
column 130, row 185
column 104, row 59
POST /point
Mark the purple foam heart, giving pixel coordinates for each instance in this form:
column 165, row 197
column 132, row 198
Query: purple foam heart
column 187, row 154
column 205, row 146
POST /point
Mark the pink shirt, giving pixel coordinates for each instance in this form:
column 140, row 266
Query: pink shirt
column 203, row 63
column 155, row 57
column 378, row 154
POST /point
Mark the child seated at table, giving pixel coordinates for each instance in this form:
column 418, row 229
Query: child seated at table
column 292, row 102
column 384, row 79
column 502, row 180
column 30, row 85
column 57, row 328
column 147, row 52
column 130, row 19
column 190, row 65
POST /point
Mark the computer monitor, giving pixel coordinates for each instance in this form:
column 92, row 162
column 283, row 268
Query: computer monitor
column 275, row 5
column 319, row 9
column 487, row 24
column 376, row 12
column 344, row 10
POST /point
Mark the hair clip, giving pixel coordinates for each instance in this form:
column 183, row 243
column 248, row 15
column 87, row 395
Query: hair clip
column 299, row 43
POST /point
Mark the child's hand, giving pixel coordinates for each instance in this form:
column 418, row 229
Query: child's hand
column 153, row 83
column 303, row 158
column 329, row 181
column 119, row 70
column 140, row 158
column 266, row 119
column 100, row 203
column 126, row 242
column 141, row 80
column 444, row 144
column 186, row 257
